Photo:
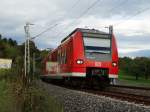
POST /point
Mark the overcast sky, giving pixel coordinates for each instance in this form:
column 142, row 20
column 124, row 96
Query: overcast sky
column 132, row 32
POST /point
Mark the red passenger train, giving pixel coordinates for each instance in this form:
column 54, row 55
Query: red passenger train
column 85, row 54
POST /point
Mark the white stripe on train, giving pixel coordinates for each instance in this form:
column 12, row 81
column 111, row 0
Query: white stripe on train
column 77, row 74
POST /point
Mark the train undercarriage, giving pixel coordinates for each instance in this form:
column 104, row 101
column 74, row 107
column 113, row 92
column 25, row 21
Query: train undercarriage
column 96, row 78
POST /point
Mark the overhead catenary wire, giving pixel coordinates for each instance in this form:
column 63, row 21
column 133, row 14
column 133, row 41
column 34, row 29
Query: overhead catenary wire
column 81, row 15
column 121, row 4
column 90, row 7
column 75, row 4
column 86, row 11
column 51, row 27
column 130, row 17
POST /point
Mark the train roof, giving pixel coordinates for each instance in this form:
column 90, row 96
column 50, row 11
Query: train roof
column 90, row 31
column 83, row 30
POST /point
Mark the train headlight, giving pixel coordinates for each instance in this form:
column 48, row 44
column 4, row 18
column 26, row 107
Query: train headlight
column 79, row 61
column 114, row 64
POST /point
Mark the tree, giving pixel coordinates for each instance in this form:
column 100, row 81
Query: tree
column 11, row 52
column 12, row 42
column 145, row 62
column 4, row 40
column 0, row 37
column 139, row 67
column 148, row 69
column 134, row 68
column 124, row 63
column 33, row 48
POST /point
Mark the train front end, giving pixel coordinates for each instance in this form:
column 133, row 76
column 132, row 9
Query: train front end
column 100, row 57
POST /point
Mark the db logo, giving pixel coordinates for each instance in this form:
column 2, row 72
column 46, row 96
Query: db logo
column 98, row 64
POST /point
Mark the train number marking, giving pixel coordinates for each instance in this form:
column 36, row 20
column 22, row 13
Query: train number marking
column 98, row 64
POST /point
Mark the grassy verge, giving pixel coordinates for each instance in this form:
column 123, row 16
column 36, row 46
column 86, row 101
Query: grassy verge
column 128, row 79
column 6, row 99
column 14, row 98
column 38, row 100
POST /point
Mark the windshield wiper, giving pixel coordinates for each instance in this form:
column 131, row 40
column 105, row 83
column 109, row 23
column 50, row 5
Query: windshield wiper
column 98, row 52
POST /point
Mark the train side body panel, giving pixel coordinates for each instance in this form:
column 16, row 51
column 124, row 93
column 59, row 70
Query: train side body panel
column 69, row 59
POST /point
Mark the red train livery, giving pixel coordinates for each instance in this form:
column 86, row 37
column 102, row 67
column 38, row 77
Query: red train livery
column 85, row 53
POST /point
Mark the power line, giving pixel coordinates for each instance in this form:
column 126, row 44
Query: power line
column 90, row 7
column 71, row 8
column 82, row 14
column 86, row 11
column 75, row 4
column 130, row 17
column 49, row 28
column 118, row 6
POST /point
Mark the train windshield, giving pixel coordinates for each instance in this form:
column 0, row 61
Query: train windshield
column 97, row 47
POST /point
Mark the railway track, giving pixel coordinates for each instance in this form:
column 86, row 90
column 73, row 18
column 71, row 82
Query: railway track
column 130, row 87
column 139, row 95
column 139, row 99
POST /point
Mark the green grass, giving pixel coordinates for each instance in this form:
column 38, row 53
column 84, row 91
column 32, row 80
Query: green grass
column 6, row 99
column 5, row 95
column 41, row 101
column 3, row 73
column 128, row 79
column 39, row 98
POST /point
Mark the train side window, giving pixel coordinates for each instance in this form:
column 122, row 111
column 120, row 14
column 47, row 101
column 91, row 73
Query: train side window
column 65, row 56
column 68, row 49
column 62, row 59
column 62, row 56
column 54, row 56
column 58, row 56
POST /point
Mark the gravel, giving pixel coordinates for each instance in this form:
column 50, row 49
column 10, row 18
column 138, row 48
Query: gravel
column 76, row 101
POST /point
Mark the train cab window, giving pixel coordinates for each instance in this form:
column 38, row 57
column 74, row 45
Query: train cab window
column 97, row 46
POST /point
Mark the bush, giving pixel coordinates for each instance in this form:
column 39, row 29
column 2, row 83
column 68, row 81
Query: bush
column 37, row 100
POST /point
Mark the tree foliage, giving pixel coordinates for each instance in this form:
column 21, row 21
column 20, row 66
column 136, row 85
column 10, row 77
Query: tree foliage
column 139, row 66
